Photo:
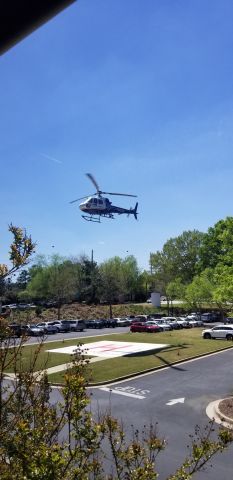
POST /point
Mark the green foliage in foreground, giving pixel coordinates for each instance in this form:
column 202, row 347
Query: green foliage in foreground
column 44, row 441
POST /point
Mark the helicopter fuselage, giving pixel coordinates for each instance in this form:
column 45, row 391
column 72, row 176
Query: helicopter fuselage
column 102, row 206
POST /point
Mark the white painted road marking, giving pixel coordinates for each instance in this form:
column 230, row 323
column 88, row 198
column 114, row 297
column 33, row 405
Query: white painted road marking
column 120, row 392
column 175, row 400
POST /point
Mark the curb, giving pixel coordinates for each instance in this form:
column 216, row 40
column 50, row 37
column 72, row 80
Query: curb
column 213, row 412
column 220, row 415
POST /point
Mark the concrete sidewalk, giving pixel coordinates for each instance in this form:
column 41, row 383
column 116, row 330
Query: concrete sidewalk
column 57, row 368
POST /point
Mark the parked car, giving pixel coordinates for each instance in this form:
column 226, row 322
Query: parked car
column 183, row 322
column 15, row 330
column 68, row 325
column 59, row 326
column 47, row 327
column 140, row 318
column 220, row 331
column 195, row 322
column 32, row 330
column 192, row 316
column 94, row 323
column 173, row 322
column 153, row 316
column 161, row 323
column 21, row 330
column 143, row 327
column 229, row 320
column 211, row 317
column 122, row 322
column 110, row 323
column 77, row 325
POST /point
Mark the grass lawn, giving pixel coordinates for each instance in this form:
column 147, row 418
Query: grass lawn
column 184, row 344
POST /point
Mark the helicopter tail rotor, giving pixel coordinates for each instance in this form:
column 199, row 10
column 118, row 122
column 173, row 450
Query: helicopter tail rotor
column 135, row 211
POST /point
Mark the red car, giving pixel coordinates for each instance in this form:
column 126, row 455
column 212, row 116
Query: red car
column 142, row 327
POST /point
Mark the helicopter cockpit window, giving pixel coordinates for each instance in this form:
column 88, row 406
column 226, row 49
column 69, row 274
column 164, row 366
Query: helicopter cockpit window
column 95, row 201
column 100, row 202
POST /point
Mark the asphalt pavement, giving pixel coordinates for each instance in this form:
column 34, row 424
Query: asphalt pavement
column 176, row 398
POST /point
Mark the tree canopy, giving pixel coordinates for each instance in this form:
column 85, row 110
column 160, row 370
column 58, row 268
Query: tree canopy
column 178, row 258
column 217, row 245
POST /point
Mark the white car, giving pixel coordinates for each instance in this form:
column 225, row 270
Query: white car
column 172, row 321
column 122, row 322
column 183, row 321
column 220, row 331
column 47, row 327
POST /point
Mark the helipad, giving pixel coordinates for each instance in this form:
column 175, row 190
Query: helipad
column 111, row 349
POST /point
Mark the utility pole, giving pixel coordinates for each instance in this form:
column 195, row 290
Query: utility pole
column 92, row 282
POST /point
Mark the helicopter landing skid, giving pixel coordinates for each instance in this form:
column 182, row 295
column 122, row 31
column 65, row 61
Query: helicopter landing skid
column 96, row 219
column 91, row 219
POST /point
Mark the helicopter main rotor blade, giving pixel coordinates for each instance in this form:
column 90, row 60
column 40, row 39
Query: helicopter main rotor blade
column 121, row 194
column 93, row 180
column 77, row 199
column 81, row 198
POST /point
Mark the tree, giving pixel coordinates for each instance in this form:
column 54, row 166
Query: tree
column 178, row 258
column 130, row 272
column 23, row 279
column 41, row 440
column 212, row 286
column 201, row 289
column 111, row 281
column 223, row 291
column 175, row 290
column 55, row 282
column 217, row 245
column 89, row 279
column 21, row 249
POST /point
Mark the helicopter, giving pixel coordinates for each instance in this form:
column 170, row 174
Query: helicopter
column 95, row 206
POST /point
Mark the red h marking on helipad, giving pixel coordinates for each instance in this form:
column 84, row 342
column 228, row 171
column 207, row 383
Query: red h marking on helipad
column 109, row 348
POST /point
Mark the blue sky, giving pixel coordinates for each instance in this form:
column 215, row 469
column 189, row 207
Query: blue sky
column 140, row 94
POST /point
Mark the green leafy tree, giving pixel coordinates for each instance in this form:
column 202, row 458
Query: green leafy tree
column 200, row 290
column 178, row 258
column 23, row 279
column 175, row 290
column 111, row 281
column 217, row 245
column 145, row 284
column 88, row 279
column 56, row 282
column 130, row 272
column 21, row 250
column 223, row 291
column 213, row 286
